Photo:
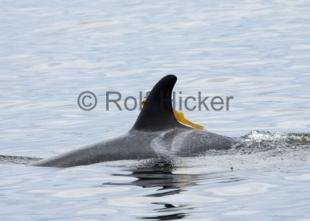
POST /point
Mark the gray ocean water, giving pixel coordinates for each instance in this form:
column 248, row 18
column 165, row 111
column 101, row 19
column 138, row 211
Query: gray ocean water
column 257, row 51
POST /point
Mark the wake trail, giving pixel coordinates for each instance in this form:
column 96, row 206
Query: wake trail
column 18, row 159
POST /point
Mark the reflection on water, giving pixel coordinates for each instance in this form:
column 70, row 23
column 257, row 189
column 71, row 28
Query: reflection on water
column 159, row 174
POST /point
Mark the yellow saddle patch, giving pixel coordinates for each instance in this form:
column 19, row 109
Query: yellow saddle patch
column 181, row 118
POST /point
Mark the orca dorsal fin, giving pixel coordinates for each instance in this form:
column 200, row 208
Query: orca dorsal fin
column 157, row 112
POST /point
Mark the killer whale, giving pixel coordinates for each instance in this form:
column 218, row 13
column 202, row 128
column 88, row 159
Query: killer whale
column 155, row 134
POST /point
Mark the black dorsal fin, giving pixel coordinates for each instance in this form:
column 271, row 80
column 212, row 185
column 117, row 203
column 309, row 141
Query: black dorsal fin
column 157, row 112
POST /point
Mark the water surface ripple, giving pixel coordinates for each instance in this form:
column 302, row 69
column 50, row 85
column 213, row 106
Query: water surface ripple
column 256, row 51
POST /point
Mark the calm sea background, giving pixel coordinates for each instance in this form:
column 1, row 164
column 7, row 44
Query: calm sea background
column 257, row 51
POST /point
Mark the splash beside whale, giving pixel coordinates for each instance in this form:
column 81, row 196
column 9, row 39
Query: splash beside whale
column 155, row 134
